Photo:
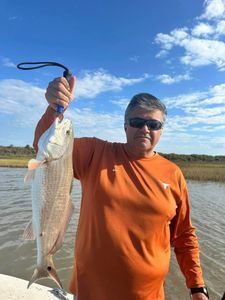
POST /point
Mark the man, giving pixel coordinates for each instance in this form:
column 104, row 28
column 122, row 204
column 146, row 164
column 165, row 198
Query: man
column 134, row 206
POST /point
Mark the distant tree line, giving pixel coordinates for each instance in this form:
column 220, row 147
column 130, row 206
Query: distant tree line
column 194, row 157
column 11, row 151
column 16, row 151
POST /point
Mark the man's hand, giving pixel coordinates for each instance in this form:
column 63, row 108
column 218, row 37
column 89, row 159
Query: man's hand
column 199, row 296
column 60, row 92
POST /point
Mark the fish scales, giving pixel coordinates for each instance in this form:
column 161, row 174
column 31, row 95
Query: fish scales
column 52, row 176
column 56, row 184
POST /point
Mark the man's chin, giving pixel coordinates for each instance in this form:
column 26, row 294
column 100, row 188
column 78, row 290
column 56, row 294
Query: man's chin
column 143, row 143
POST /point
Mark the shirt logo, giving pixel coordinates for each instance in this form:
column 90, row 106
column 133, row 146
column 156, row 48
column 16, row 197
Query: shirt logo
column 165, row 185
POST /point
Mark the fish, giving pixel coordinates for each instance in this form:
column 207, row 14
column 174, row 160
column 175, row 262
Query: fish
column 51, row 177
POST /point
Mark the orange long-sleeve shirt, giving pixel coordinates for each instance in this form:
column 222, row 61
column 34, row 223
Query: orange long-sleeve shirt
column 131, row 212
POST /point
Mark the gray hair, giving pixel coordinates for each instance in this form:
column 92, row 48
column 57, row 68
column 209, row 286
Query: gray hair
column 145, row 101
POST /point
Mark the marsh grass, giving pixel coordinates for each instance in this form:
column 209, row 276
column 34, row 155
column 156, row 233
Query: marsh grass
column 203, row 171
column 14, row 162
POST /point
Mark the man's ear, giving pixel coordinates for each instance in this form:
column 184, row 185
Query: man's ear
column 125, row 126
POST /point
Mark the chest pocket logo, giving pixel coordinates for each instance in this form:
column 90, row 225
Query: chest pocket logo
column 165, row 185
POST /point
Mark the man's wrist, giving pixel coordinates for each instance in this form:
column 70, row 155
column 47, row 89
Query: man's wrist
column 202, row 290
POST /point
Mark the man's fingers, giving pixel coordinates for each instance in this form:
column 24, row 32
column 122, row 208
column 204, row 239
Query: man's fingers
column 61, row 80
column 54, row 93
column 60, row 92
column 59, row 85
column 58, row 89
column 57, row 98
column 72, row 83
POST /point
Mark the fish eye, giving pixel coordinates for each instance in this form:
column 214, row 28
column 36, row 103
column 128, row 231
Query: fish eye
column 68, row 132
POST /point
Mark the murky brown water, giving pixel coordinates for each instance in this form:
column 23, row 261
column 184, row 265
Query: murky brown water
column 18, row 258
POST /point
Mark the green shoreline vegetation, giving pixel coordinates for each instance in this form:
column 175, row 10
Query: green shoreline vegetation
column 194, row 166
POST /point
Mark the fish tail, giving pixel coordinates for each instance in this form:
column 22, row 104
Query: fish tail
column 39, row 272
column 52, row 271
column 46, row 271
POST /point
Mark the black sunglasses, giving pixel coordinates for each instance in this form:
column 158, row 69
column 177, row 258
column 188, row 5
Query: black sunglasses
column 151, row 124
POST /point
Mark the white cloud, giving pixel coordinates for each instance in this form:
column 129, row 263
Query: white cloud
column 195, row 124
column 175, row 37
column 202, row 29
column 94, row 83
column 167, row 79
column 6, row 62
column 23, row 100
column 199, row 108
column 104, row 125
column 218, row 90
column 161, row 54
column 182, row 100
column 199, row 123
column 206, row 112
column 192, row 143
column 201, row 44
column 122, row 103
column 211, row 97
column 135, row 58
column 213, row 9
column 165, row 40
column 198, row 52
column 196, row 110
column 27, row 102
column 194, row 133
column 220, row 28
column 15, row 18
column 203, row 52
column 213, row 128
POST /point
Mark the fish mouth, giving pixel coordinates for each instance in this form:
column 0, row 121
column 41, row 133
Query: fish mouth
column 45, row 271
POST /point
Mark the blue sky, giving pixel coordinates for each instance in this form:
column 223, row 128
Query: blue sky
column 174, row 50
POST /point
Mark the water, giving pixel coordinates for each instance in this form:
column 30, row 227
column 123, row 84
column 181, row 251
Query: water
column 18, row 258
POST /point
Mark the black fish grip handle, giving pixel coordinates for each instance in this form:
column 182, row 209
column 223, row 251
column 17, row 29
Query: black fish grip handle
column 36, row 65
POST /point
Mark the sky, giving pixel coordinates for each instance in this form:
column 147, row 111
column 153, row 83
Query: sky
column 172, row 49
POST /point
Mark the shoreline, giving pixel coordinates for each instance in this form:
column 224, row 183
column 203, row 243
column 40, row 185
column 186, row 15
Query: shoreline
column 14, row 162
column 200, row 171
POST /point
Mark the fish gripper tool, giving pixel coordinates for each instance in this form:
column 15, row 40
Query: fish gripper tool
column 36, row 65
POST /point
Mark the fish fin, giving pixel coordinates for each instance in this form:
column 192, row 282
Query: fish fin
column 39, row 273
column 34, row 164
column 46, row 271
column 29, row 232
column 52, row 271
column 29, row 176
column 66, row 219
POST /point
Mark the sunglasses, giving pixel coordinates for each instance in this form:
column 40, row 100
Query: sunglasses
column 151, row 124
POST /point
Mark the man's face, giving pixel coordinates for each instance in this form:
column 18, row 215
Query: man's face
column 141, row 141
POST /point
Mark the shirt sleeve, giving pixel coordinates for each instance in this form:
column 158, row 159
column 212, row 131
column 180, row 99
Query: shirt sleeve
column 83, row 152
column 45, row 122
column 184, row 240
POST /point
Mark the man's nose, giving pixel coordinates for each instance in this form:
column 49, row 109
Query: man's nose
column 145, row 128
